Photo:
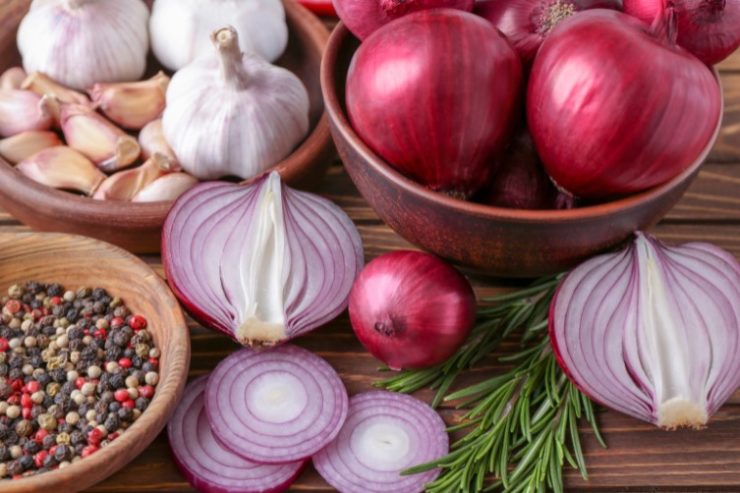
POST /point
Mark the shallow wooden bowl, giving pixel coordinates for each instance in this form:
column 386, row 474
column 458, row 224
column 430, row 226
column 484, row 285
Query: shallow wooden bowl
column 488, row 240
column 137, row 227
column 75, row 261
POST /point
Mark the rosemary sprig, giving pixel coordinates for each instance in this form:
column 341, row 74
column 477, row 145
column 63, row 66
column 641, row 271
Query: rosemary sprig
column 522, row 425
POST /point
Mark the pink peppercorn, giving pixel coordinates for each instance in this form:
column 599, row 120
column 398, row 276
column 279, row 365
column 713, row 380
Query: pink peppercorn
column 146, row 391
column 125, row 363
column 13, row 306
column 95, row 436
column 117, row 322
column 121, row 395
column 4, row 344
column 89, row 450
column 130, row 404
column 26, row 413
column 33, row 386
column 39, row 458
column 40, row 435
column 55, row 300
column 26, row 401
column 137, row 322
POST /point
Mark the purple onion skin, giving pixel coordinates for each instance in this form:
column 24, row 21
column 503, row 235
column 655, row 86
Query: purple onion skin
column 364, row 17
column 614, row 109
column 436, row 94
column 710, row 29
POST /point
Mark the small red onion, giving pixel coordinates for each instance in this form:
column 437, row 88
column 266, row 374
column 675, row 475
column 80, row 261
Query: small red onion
column 384, row 434
column 210, row 467
column 261, row 263
column 435, row 94
column 275, row 406
column 615, row 107
column 652, row 331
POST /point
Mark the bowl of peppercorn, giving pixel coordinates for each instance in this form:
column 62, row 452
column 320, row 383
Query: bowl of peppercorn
column 94, row 354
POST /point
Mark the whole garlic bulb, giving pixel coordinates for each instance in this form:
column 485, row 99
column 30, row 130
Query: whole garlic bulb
column 231, row 113
column 180, row 29
column 81, row 42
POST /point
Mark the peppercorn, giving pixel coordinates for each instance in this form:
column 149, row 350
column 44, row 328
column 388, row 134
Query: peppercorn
column 125, row 414
column 31, row 447
column 48, row 441
column 15, row 467
column 63, row 452
column 23, row 428
column 26, row 462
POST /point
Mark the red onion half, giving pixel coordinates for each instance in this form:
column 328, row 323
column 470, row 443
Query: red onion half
column 652, row 331
column 275, row 406
column 614, row 108
column 261, row 263
column 435, row 94
column 210, row 467
column 384, row 434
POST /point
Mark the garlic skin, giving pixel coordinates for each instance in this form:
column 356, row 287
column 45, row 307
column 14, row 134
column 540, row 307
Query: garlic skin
column 63, row 168
column 131, row 104
column 21, row 111
column 230, row 113
column 12, row 78
column 166, row 188
column 81, row 42
column 152, row 141
column 180, row 29
column 43, row 85
column 124, row 185
column 24, row 145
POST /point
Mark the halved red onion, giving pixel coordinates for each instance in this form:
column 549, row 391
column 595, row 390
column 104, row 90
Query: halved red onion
column 652, row 331
column 261, row 263
column 384, row 434
column 275, row 406
column 210, row 467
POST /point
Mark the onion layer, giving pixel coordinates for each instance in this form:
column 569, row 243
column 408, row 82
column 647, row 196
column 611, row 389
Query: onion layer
column 384, row 434
column 652, row 331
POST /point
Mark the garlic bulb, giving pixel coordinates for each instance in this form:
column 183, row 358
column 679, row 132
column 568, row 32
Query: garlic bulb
column 180, row 29
column 81, row 42
column 230, row 113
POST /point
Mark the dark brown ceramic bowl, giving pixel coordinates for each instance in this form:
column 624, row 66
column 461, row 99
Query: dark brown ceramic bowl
column 489, row 240
column 137, row 227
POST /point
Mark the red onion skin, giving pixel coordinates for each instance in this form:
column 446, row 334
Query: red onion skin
column 436, row 94
column 411, row 309
column 710, row 29
column 613, row 109
column 364, row 17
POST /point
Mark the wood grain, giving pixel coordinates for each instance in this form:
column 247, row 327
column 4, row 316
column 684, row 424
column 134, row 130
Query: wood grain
column 726, row 149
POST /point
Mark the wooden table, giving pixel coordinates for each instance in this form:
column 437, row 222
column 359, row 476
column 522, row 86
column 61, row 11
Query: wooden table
column 639, row 458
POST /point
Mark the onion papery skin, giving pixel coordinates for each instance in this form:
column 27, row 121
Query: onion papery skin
column 652, row 331
column 436, row 95
column 207, row 465
column 411, row 309
column 710, row 29
column 526, row 23
column 347, row 463
column 364, row 17
column 613, row 109
column 275, row 406
column 262, row 263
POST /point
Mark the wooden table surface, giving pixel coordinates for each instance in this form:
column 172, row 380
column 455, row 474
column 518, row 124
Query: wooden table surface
column 640, row 458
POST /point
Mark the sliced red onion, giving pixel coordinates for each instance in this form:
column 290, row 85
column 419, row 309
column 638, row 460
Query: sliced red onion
column 384, row 434
column 261, row 263
column 210, row 467
column 652, row 331
column 275, row 406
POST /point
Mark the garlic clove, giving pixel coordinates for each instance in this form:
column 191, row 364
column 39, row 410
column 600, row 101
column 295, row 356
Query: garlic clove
column 21, row 111
column 105, row 144
column 63, row 168
column 42, row 84
column 124, row 185
column 132, row 104
column 166, row 188
column 12, row 78
column 151, row 140
column 24, row 145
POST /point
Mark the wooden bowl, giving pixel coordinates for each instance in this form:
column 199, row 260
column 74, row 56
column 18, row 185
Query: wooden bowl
column 75, row 261
column 488, row 240
column 137, row 227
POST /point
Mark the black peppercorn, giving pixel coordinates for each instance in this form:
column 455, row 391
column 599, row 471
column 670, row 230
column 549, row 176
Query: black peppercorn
column 58, row 375
column 12, row 438
column 50, row 461
column 4, row 369
column 48, row 441
column 117, row 380
column 125, row 414
column 62, row 453
column 88, row 354
column 142, row 403
column 48, row 400
column 4, row 453
column 15, row 373
column 112, row 422
column 15, row 467
column 43, row 379
column 5, row 390
column 26, row 462
column 75, row 332
column 31, row 447
column 64, row 427
column 28, row 298
column 37, row 411
column 71, row 315
column 76, row 438
column 54, row 290
column 101, row 407
column 147, row 367
column 113, row 353
column 114, row 406
column 15, row 361
column 57, row 311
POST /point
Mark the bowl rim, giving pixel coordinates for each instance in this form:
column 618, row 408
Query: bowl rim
column 340, row 123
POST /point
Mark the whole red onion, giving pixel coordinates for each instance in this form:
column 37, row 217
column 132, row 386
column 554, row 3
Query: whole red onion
column 411, row 309
column 435, row 94
column 710, row 29
column 615, row 106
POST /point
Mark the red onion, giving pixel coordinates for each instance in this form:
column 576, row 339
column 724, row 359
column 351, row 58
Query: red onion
column 411, row 310
column 210, row 467
column 652, row 331
column 710, row 29
column 262, row 263
column 526, row 23
column 363, row 17
column 275, row 406
column 615, row 107
column 435, row 94
column 384, row 434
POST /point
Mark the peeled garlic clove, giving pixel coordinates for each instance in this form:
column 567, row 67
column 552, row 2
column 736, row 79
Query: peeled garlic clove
column 24, row 145
column 125, row 184
column 88, row 132
column 167, row 188
column 12, row 78
column 21, row 111
column 151, row 140
column 63, row 168
column 132, row 104
column 42, row 84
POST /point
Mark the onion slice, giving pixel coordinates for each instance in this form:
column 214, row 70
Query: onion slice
column 275, row 406
column 210, row 467
column 384, row 434
column 652, row 331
